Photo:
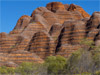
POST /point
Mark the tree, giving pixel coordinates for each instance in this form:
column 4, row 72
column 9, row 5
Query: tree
column 86, row 59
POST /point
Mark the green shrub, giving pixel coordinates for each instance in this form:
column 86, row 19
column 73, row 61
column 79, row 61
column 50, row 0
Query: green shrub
column 3, row 70
column 6, row 70
column 56, row 64
column 96, row 58
column 10, row 70
column 25, row 68
column 29, row 68
column 86, row 73
column 86, row 59
column 97, row 72
column 80, row 61
column 72, row 62
column 87, row 42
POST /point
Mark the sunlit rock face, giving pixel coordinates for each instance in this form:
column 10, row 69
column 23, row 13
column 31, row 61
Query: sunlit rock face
column 55, row 6
column 56, row 29
column 74, row 7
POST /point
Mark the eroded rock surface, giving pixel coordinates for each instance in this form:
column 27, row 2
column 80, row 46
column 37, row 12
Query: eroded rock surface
column 56, row 29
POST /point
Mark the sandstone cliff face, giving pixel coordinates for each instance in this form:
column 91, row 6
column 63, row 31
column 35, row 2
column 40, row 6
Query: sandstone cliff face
column 73, row 7
column 56, row 29
column 42, row 44
column 55, row 6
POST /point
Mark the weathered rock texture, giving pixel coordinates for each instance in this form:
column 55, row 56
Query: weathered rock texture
column 56, row 29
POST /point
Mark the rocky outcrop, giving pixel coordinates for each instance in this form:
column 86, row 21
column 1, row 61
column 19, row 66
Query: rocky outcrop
column 94, row 21
column 21, row 24
column 72, row 32
column 93, row 26
column 56, row 29
column 73, row 7
column 55, row 6
column 41, row 44
column 7, row 42
column 32, row 28
column 66, row 6
column 39, row 11
column 66, row 50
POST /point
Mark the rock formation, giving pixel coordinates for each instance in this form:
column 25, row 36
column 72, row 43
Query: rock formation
column 56, row 29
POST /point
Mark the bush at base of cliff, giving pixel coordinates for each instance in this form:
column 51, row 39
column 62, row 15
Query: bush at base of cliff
column 86, row 73
column 56, row 64
column 29, row 68
column 86, row 59
column 24, row 68
column 83, row 61
column 97, row 72
column 96, row 59
column 7, row 70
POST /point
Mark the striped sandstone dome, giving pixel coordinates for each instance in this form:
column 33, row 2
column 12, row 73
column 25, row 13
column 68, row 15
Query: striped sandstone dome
column 56, row 29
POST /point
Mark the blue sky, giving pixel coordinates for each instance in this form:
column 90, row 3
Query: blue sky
column 12, row 10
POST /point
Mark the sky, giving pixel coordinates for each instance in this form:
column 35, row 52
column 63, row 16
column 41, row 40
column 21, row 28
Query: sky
column 12, row 10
